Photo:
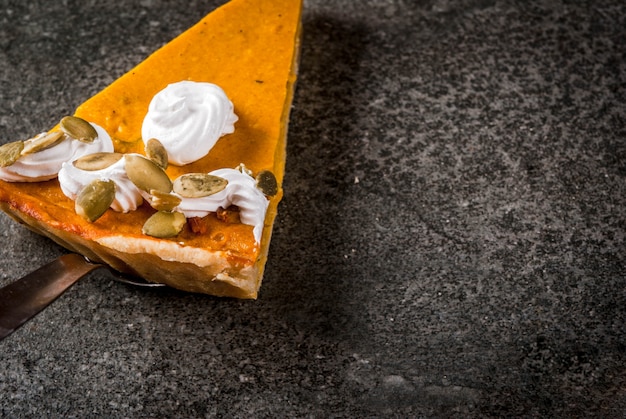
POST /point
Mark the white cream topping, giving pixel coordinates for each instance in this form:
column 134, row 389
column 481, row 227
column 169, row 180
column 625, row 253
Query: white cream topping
column 127, row 196
column 240, row 191
column 45, row 164
column 188, row 118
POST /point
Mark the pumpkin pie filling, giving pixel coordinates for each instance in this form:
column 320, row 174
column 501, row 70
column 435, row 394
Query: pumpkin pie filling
column 256, row 65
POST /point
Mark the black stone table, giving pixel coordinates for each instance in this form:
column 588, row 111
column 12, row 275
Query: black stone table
column 451, row 242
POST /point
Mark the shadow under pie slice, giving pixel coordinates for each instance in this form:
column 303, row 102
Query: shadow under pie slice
column 249, row 48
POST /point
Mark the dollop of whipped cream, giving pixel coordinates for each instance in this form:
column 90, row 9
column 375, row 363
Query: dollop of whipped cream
column 240, row 191
column 45, row 164
column 188, row 118
column 127, row 196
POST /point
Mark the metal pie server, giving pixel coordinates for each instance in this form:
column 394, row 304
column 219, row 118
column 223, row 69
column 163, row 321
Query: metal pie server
column 21, row 300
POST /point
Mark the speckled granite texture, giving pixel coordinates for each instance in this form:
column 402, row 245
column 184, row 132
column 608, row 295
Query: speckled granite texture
column 451, row 241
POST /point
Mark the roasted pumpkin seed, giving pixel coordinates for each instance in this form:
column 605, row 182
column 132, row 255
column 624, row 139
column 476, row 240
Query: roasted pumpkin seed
column 42, row 142
column 164, row 224
column 94, row 199
column 97, row 161
column 198, row 185
column 78, row 129
column 10, row 152
column 146, row 175
column 163, row 201
column 243, row 169
column 157, row 153
column 266, row 182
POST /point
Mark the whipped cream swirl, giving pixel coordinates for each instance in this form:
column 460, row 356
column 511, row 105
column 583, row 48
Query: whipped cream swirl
column 127, row 196
column 188, row 118
column 240, row 191
column 45, row 164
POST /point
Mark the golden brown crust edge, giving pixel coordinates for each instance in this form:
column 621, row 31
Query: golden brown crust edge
column 219, row 279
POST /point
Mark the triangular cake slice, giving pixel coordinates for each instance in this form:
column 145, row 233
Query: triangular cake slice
column 249, row 49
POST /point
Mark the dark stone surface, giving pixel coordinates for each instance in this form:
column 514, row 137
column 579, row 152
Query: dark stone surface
column 451, row 241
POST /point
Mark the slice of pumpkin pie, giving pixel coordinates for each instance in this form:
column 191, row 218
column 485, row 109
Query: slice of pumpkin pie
column 174, row 171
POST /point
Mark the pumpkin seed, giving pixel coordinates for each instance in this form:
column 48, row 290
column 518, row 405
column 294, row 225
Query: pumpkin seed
column 94, row 199
column 10, row 152
column 197, row 185
column 157, row 153
column 266, row 182
column 243, row 169
column 164, row 224
column 163, row 201
column 97, row 161
column 146, row 175
column 78, row 129
column 42, row 142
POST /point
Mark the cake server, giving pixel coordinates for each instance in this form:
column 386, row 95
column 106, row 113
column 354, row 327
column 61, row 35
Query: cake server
column 21, row 300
